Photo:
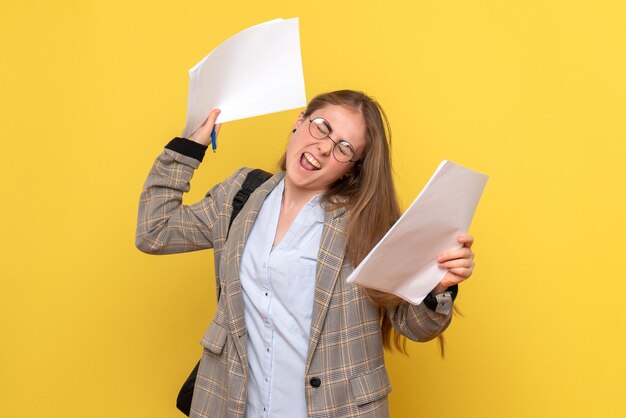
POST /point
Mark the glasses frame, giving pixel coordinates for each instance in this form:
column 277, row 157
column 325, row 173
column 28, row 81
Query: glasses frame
column 335, row 143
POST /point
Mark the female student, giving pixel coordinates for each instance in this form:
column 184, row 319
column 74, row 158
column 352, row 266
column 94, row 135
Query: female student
column 290, row 338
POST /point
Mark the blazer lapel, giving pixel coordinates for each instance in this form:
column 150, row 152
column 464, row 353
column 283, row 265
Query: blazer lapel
column 329, row 263
column 231, row 261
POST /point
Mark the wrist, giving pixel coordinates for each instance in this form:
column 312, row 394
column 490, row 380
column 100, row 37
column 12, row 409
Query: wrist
column 199, row 141
column 442, row 302
column 439, row 289
column 187, row 147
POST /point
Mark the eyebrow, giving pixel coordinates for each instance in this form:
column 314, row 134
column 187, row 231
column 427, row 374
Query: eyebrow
column 330, row 131
column 330, row 128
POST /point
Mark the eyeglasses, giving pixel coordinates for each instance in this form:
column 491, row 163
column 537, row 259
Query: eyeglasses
column 319, row 128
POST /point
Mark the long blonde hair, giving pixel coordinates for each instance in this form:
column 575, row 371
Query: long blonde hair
column 368, row 193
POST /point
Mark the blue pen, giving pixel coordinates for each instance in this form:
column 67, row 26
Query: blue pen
column 213, row 140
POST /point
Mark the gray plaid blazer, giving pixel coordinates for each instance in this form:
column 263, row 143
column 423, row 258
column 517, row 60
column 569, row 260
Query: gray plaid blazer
column 345, row 373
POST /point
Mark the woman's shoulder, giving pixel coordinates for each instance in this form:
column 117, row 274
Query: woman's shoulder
column 232, row 182
column 252, row 178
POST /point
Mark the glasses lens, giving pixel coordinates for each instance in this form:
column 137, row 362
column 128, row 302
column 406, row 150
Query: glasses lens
column 319, row 128
column 343, row 151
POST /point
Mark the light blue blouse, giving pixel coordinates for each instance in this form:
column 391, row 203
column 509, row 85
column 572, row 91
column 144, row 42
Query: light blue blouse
column 278, row 289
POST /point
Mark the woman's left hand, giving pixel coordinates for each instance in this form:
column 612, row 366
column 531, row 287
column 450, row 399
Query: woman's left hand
column 459, row 262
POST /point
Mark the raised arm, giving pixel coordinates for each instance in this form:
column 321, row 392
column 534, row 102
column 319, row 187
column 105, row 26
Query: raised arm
column 164, row 224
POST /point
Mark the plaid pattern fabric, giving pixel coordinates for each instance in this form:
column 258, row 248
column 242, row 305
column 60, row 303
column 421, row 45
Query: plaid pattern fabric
column 345, row 374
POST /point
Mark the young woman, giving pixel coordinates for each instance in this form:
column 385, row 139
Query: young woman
column 290, row 337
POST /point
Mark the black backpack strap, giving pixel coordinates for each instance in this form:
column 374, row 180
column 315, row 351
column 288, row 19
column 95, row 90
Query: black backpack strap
column 253, row 180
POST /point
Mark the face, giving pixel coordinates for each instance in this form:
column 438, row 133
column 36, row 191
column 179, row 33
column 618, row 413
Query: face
column 311, row 166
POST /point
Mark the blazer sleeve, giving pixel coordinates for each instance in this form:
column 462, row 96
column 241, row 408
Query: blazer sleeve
column 418, row 322
column 164, row 224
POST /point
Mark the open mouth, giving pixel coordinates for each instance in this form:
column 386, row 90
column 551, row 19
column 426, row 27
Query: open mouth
column 308, row 162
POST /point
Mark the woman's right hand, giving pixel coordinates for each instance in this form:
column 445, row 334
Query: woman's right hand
column 202, row 135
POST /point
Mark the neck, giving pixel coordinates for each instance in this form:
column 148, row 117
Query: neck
column 296, row 198
column 293, row 200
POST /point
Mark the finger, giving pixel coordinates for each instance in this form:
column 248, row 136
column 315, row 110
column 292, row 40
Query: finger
column 209, row 122
column 466, row 240
column 202, row 135
column 457, row 253
column 450, row 279
column 217, row 129
column 461, row 262
column 212, row 117
column 462, row 272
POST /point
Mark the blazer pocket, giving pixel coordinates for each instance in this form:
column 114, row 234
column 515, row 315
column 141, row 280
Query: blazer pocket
column 214, row 338
column 370, row 387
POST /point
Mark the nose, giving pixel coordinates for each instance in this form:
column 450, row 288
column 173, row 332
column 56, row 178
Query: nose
column 325, row 146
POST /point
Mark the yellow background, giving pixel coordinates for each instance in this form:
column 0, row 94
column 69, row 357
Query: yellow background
column 530, row 92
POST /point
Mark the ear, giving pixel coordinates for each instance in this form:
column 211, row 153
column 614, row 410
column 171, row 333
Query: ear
column 347, row 174
column 299, row 121
column 353, row 171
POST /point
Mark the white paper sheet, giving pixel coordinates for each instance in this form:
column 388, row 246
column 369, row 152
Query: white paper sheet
column 404, row 261
column 254, row 72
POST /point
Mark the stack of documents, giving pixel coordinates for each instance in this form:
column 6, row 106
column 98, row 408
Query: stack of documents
column 404, row 262
column 254, row 72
